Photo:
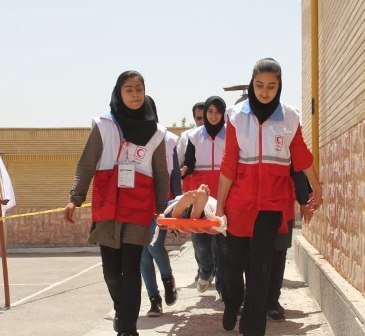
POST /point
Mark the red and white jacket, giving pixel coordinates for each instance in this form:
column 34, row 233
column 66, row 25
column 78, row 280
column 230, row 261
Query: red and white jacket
column 257, row 159
column 132, row 205
column 208, row 156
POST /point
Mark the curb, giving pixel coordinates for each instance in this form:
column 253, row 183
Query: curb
column 70, row 249
column 342, row 305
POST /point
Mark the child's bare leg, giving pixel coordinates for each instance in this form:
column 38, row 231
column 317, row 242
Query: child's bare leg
column 187, row 199
column 201, row 199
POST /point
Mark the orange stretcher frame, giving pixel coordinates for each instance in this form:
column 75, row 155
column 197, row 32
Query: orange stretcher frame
column 186, row 225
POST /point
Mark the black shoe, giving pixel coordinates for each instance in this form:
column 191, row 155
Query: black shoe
column 229, row 318
column 127, row 333
column 275, row 314
column 115, row 323
column 156, row 306
column 170, row 290
column 275, row 311
column 279, row 307
column 240, row 310
column 275, row 305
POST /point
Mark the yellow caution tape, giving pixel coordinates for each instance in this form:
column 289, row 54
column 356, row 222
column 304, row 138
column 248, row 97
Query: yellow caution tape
column 40, row 212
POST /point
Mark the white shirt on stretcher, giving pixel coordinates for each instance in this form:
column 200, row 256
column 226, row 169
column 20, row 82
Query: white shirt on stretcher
column 209, row 209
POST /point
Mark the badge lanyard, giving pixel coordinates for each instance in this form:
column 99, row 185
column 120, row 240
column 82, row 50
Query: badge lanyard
column 126, row 171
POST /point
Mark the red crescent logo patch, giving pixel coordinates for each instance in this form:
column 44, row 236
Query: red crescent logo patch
column 139, row 153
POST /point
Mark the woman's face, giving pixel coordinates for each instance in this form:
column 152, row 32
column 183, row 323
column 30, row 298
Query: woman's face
column 266, row 85
column 213, row 115
column 132, row 93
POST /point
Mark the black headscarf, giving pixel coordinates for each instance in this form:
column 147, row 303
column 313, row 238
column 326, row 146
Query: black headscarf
column 138, row 126
column 260, row 110
column 219, row 103
column 264, row 111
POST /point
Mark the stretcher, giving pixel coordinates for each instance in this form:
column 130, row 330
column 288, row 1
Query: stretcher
column 186, row 225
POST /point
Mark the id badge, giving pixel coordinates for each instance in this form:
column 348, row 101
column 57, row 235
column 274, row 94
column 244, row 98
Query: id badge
column 126, row 173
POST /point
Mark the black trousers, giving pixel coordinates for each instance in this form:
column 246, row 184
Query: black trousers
column 277, row 276
column 283, row 242
column 253, row 319
column 122, row 274
column 238, row 254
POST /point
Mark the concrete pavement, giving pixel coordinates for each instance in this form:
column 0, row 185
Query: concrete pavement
column 201, row 314
column 58, row 292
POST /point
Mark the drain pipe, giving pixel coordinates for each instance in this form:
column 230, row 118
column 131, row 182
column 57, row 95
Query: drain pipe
column 314, row 80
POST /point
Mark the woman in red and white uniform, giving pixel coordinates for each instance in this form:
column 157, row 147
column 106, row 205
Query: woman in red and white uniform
column 125, row 155
column 256, row 190
column 203, row 160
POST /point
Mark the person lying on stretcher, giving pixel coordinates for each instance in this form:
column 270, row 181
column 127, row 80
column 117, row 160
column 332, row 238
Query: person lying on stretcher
column 195, row 204
column 192, row 204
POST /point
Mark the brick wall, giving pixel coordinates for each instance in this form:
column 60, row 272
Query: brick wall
column 42, row 164
column 52, row 230
column 306, row 73
column 338, row 230
column 341, row 67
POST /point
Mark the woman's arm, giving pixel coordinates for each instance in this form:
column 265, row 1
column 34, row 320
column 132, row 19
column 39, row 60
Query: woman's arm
column 223, row 189
column 84, row 173
column 316, row 199
column 175, row 179
column 189, row 161
column 228, row 168
column 302, row 159
column 301, row 156
column 300, row 185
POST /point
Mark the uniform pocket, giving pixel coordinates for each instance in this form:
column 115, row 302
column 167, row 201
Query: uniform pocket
column 104, row 194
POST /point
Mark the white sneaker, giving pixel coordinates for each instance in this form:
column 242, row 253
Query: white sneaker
column 202, row 285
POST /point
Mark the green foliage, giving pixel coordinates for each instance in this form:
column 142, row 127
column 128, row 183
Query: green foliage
column 183, row 122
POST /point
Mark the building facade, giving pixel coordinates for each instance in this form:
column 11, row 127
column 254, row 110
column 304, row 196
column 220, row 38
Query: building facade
column 338, row 230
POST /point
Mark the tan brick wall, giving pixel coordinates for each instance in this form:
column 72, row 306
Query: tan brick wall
column 42, row 164
column 306, row 74
column 341, row 67
column 51, row 230
column 338, row 230
column 41, row 180
column 47, row 229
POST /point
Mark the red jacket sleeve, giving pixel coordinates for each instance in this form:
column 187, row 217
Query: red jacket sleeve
column 301, row 156
column 230, row 155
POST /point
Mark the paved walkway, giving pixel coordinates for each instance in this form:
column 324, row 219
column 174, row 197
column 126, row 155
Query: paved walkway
column 201, row 314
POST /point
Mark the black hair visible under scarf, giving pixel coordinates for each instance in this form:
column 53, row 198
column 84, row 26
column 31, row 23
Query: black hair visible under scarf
column 138, row 126
column 219, row 103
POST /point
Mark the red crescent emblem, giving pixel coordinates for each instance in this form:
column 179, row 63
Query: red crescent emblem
column 279, row 140
column 140, row 152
